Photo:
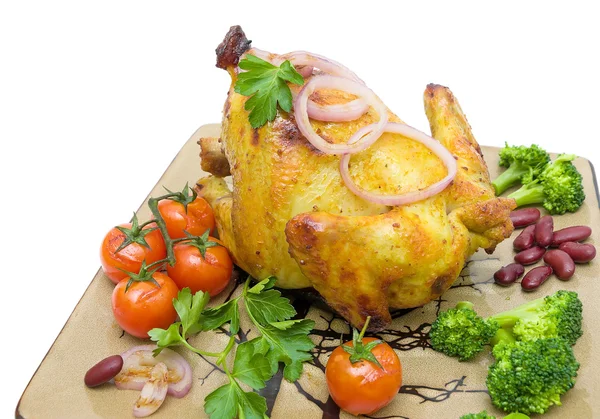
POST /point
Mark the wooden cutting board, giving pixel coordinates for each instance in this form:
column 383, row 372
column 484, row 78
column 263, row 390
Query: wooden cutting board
column 433, row 385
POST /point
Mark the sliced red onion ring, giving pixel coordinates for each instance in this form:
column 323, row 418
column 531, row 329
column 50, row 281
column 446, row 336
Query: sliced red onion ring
column 324, row 64
column 138, row 363
column 361, row 139
column 342, row 112
column 305, row 71
column 410, row 197
column 153, row 393
column 338, row 113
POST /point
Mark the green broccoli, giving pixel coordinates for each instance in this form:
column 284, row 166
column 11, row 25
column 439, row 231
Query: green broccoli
column 480, row 415
column 485, row 415
column 523, row 164
column 530, row 376
column 557, row 315
column 558, row 188
column 461, row 332
column 534, row 364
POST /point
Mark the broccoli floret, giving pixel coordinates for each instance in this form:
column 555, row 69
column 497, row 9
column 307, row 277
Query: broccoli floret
column 557, row 315
column 516, row 415
column 558, row 188
column 480, row 415
column 523, row 164
column 485, row 415
column 461, row 332
column 531, row 376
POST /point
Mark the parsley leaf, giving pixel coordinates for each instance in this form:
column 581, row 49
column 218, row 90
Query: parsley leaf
column 215, row 317
column 267, row 86
column 282, row 339
column 253, row 406
column 165, row 338
column 230, row 401
column 291, row 346
column 189, row 307
column 250, row 367
column 265, row 284
column 222, row 403
column 269, row 306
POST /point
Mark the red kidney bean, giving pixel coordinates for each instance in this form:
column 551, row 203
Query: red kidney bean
column 580, row 253
column 561, row 263
column 530, row 256
column 536, row 277
column 103, row 371
column 524, row 217
column 571, row 234
column 543, row 231
column 508, row 274
column 526, row 239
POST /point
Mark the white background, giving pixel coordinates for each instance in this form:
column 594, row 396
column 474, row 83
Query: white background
column 96, row 98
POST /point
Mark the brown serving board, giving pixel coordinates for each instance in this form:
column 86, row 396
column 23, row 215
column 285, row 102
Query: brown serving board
column 434, row 386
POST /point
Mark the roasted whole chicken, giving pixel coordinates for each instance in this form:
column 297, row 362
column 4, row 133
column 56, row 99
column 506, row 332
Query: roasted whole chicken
column 290, row 215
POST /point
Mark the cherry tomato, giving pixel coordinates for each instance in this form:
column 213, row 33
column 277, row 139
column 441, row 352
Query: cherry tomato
column 210, row 273
column 130, row 257
column 196, row 221
column 145, row 306
column 363, row 387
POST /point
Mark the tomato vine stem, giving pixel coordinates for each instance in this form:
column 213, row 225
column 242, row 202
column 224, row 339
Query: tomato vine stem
column 162, row 226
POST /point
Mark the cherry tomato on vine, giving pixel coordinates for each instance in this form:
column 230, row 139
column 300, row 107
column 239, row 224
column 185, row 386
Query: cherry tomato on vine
column 144, row 305
column 363, row 375
column 198, row 218
column 126, row 246
column 202, row 264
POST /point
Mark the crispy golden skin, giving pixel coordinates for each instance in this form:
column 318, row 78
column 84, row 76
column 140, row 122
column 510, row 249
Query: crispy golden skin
column 290, row 214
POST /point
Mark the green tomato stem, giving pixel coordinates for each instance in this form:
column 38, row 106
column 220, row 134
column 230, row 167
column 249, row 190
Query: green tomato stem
column 364, row 329
column 162, row 226
column 156, row 263
column 141, row 226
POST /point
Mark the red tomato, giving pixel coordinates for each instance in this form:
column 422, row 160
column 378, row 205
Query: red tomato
column 145, row 306
column 129, row 258
column 210, row 273
column 196, row 221
column 363, row 387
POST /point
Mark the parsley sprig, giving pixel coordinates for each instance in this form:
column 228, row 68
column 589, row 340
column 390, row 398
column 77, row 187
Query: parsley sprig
column 267, row 86
column 280, row 340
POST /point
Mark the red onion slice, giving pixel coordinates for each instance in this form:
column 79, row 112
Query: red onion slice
column 342, row 112
column 410, row 197
column 139, row 361
column 361, row 139
column 153, row 393
column 305, row 71
column 324, row 64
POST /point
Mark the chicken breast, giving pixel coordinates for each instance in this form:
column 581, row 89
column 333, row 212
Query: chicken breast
column 290, row 214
